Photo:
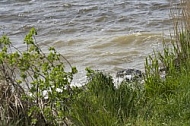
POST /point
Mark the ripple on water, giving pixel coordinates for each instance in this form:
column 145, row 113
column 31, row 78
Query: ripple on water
column 103, row 34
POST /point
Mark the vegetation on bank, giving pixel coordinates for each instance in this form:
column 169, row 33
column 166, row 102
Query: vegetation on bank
column 35, row 88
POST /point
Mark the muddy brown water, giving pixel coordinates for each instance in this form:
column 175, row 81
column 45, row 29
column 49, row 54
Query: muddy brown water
column 108, row 35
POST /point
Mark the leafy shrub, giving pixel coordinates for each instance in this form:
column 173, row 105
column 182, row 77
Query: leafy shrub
column 37, row 83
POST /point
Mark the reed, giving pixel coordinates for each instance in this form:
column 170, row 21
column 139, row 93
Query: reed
column 168, row 98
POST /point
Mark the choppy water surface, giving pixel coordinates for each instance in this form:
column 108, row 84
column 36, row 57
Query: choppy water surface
column 102, row 34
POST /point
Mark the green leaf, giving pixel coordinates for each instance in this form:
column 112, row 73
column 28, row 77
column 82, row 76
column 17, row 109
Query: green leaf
column 74, row 70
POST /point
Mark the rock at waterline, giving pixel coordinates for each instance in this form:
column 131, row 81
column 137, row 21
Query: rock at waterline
column 129, row 75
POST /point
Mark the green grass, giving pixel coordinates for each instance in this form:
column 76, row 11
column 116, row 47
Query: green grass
column 100, row 103
column 161, row 102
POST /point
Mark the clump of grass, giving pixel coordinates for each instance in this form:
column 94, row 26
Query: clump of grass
column 13, row 110
column 104, row 104
column 169, row 98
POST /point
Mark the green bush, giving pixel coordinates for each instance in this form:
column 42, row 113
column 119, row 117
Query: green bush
column 28, row 75
column 101, row 103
